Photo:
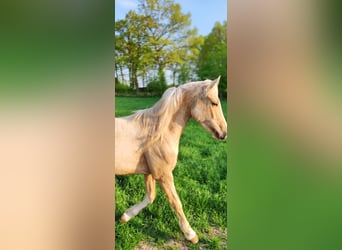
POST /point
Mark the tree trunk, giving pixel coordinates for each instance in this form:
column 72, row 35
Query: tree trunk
column 130, row 75
column 174, row 77
column 135, row 79
column 121, row 73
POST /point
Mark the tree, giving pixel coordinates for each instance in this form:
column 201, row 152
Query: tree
column 170, row 38
column 212, row 60
column 131, row 47
column 155, row 38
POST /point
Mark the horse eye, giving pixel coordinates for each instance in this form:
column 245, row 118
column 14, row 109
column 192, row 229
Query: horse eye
column 214, row 104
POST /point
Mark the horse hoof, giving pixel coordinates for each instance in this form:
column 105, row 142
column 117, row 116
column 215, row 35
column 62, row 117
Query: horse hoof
column 124, row 218
column 194, row 240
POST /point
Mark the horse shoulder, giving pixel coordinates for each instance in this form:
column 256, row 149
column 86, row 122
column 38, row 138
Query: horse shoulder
column 162, row 157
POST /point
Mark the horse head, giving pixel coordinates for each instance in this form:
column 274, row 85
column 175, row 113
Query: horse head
column 206, row 109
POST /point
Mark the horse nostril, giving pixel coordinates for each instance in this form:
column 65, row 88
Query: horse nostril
column 224, row 136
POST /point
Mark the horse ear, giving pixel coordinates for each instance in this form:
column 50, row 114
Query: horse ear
column 214, row 83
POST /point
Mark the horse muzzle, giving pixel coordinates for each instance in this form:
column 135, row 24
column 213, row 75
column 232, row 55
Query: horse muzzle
column 219, row 136
column 223, row 136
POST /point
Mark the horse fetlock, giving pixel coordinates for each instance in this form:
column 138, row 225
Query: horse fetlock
column 151, row 196
column 125, row 218
column 194, row 240
column 129, row 214
column 191, row 236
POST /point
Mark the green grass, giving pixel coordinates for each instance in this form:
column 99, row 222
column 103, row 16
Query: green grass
column 200, row 179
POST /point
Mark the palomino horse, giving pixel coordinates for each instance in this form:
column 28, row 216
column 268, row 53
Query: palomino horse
column 147, row 141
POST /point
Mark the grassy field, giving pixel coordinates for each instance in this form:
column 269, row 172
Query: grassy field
column 200, row 179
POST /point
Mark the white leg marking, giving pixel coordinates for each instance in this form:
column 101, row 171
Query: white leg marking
column 134, row 210
column 190, row 234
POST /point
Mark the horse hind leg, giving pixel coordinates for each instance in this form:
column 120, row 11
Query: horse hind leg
column 149, row 198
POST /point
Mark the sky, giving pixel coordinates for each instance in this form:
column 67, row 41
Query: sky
column 204, row 13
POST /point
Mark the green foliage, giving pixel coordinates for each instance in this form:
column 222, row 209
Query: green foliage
column 157, row 36
column 121, row 88
column 167, row 30
column 212, row 60
column 200, row 179
column 184, row 74
column 162, row 78
column 131, row 48
column 157, row 86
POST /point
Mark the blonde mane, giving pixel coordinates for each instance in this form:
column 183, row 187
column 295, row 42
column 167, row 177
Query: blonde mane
column 155, row 120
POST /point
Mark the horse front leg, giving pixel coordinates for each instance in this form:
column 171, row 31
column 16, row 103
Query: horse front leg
column 149, row 198
column 167, row 184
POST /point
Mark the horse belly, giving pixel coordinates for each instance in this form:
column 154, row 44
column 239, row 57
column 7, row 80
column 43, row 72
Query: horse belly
column 128, row 157
column 126, row 164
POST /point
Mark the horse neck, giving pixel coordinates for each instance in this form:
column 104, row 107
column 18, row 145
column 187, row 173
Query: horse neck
column 179, row 120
